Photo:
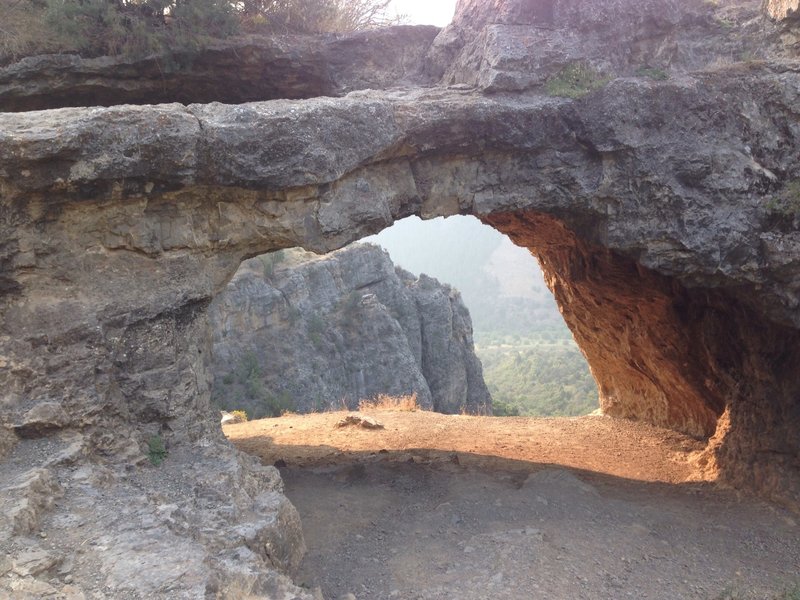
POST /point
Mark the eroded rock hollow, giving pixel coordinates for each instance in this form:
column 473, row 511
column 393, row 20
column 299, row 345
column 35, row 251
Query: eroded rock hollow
column 647, row 152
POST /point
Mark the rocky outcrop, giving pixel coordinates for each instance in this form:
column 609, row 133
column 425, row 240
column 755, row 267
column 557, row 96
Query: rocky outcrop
column 486, row 46
column 782, row 9
column 661, row 200
column 231, row 71
column 303, row 332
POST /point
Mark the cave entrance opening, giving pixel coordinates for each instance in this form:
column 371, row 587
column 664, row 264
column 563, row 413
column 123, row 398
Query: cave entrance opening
column 386, row 507
column 531, row 363
column 300, row 332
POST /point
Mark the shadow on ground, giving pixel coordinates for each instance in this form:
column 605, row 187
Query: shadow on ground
column 431, row 524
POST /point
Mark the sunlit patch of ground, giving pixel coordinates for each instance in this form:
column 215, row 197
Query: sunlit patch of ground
column 437, row 507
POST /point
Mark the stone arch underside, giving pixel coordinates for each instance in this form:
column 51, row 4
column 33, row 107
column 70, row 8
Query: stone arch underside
column 123, row 222
column 658, row 209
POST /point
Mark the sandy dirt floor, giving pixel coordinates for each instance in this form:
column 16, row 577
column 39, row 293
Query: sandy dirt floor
column 458, row 507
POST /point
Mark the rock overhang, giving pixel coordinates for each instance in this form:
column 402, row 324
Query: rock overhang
column 234, row 71
column 576, row 159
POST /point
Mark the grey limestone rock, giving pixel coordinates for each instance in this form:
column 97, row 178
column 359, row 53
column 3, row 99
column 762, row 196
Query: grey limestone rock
column 233, row 71
column 305, row 332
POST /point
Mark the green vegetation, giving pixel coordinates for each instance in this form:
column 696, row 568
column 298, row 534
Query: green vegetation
column 500, row 283
column 271, row 261
column 652, row 73
column 503, row 409
column 576, row 81
column 787, row 202
column 793, row 593
column 156, row 451
column 277, row 404
column 530, row 361
column 313, row 16
column 120, row 27
column 249, row 393
column 316, row 329
column 350, row 306
column 23, row 30
column 144, row 27
column 538, row 376
column 725, row 23
column 248, row 367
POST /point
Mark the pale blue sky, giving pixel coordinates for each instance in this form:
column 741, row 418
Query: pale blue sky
column 426, row 12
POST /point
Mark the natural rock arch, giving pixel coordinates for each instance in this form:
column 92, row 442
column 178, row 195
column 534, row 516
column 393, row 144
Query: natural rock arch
column 660, row 210
column 155, row 207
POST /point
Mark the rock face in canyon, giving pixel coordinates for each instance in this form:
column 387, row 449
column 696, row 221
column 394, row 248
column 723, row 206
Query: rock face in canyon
column 303, row 332
column 645, row 151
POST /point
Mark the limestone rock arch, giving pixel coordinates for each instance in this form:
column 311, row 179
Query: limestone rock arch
column 661, row 208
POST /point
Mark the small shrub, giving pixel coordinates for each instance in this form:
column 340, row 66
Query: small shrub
column 167, row 27
column 294, row 314
column 105, row 27
column 228, row 379
column 278, row 405
column 792, row 593
column 239, row 416
column 314, row 16
column 653, row 73
column 248, row 368
column 254, row 387
column 504, row 409
column 316, row 327
column 23, row 31
column 576, row 81
column 337, row 405
column 787, row 202
column 350, row 309
column 156, row 451
column 724, row 22
column 387, row 402
column 271, row 261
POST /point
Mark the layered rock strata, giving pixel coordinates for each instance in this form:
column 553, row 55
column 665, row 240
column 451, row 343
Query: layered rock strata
column 232, row 71
column 301, row 332
column 661, row 196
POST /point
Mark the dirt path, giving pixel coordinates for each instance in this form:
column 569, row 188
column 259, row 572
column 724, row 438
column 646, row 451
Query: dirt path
column 456, row 507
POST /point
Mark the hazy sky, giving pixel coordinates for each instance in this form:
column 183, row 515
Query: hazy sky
column 426, row 12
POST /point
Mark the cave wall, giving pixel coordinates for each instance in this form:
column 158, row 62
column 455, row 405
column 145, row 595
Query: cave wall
column 697, row 360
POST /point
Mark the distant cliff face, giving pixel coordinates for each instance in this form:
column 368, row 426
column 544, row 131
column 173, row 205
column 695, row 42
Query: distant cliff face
column 298, row 331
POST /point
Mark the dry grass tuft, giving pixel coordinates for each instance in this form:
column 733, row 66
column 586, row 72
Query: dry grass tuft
column 239, row 416
column 23, row 31
column 386, row 402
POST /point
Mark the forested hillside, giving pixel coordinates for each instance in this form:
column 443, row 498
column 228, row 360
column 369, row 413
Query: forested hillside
column 531, row 363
